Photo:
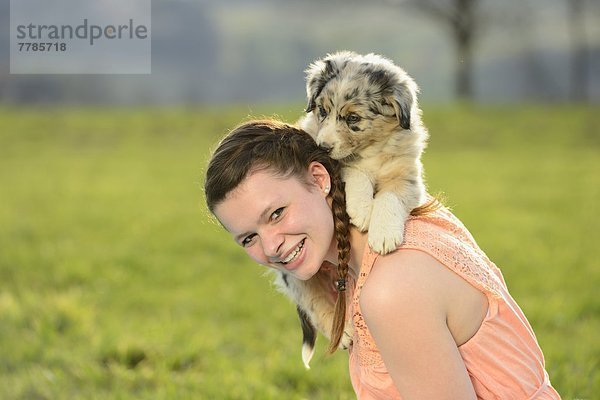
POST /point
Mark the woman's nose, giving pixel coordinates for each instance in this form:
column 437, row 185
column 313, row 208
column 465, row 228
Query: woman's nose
column 272, row 244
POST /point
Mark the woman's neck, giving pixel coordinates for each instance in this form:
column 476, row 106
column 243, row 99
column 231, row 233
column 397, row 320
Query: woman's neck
column 358, row 241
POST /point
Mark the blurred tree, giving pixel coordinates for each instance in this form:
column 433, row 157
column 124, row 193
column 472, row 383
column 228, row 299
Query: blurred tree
column 579, row 80
column 462, row 18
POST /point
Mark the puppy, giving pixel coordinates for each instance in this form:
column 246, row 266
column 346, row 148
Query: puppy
column 364, row 110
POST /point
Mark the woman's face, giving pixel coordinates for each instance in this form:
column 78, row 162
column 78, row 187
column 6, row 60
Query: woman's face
column 282, row 223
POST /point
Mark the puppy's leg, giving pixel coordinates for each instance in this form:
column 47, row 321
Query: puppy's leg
column 359, row 197
column 297, row 291
column 320, row 299
column 309, row 336
column 392, row 205
column 315, row 305
column 386, row 230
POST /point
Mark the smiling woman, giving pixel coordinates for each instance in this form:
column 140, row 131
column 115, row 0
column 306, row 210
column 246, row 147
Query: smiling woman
column 437, row 301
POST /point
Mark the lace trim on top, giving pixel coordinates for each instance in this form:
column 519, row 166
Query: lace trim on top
column 444, row 237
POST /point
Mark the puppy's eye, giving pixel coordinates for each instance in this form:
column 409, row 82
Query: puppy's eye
column 352, row 118
column 322, row 112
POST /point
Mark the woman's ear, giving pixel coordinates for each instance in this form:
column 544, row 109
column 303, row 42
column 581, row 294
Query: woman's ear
column 320, row 176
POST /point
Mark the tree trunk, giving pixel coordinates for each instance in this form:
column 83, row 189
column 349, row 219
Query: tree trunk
column 460, row 17
column 578, row 69
column 464, row 66
column 464, row 27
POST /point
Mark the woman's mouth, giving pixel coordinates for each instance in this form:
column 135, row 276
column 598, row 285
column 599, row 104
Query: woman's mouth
column 294, row 254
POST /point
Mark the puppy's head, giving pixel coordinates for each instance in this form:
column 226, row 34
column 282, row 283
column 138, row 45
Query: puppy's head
column 359, row 100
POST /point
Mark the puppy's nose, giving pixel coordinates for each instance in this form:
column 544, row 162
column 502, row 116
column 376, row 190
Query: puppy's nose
column 326, row 146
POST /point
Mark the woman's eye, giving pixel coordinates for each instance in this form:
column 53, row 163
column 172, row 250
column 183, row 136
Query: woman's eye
column 352, row 118
column 322, row 112
column 248, row 240
column 276, row 214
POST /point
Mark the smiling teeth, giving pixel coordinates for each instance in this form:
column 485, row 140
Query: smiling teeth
column 293, row 255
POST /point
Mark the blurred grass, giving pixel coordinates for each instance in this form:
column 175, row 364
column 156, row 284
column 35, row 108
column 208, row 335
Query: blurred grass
column 114, row 284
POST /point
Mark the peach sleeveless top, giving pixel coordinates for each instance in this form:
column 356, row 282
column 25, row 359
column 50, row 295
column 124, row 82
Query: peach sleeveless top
column 503, row 358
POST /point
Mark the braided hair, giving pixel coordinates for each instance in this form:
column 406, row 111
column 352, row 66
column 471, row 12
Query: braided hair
column 287, row 151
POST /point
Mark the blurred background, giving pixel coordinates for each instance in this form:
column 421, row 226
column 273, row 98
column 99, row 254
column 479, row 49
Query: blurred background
column 255, row 51
column 115, row 283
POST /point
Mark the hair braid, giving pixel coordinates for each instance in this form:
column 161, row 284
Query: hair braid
column 342, row 234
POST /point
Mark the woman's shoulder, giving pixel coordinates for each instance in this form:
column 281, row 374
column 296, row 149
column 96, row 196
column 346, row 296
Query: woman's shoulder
column 403, row 278
column 418, row 286
column 406, row 277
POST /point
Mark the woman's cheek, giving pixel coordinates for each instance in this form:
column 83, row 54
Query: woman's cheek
column 257, row 255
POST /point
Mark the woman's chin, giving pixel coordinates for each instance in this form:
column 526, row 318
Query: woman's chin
column 304, row 272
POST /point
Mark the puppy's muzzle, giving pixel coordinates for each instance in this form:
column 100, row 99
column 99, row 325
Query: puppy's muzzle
column 327, row 147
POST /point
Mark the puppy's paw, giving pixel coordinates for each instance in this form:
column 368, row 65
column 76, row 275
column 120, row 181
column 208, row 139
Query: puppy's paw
column 384, row 241
column 386, row 229
column 359, row 197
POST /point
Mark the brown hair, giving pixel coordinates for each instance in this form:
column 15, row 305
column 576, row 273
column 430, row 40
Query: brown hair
column 288, row 151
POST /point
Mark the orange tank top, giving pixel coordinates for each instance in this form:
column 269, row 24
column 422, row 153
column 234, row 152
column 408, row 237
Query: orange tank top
column 503, row 359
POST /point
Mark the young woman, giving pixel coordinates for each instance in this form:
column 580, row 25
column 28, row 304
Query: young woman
column 432, row 320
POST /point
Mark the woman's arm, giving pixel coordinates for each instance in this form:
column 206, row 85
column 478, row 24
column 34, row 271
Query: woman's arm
column 405, row 304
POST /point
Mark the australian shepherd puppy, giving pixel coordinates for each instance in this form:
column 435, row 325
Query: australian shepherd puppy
column 364, row 110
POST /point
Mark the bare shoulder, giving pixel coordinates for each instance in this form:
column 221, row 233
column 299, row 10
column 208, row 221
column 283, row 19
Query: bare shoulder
column 405, row 276
column 414, row 284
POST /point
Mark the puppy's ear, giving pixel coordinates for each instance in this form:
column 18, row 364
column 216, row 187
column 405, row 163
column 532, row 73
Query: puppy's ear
column 317, row 75
column 311, row 104
column 402, row 101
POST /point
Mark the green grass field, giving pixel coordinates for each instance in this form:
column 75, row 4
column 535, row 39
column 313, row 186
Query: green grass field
column 115, row 284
